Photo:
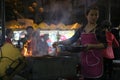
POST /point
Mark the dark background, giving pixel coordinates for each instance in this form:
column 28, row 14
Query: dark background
column 65, row 11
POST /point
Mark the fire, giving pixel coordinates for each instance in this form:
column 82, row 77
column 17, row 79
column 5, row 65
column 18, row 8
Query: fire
column 27, row 51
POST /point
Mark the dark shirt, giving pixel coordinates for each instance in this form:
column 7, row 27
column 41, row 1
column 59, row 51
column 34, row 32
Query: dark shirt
column 116, row 33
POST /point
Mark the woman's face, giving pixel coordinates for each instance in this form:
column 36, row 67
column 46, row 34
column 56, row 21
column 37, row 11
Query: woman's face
column 92, row 16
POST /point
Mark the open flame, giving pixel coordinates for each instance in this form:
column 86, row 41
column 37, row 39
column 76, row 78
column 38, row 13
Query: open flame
column 27, row 51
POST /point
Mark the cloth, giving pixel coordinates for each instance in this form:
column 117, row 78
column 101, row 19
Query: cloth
column 8, row 54
column 91, row 60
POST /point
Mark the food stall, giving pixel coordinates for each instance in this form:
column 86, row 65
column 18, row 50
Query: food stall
column 49, row 66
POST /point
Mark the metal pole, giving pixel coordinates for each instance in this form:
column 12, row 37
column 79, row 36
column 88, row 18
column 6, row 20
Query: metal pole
column 3, row 22
column 109, row 10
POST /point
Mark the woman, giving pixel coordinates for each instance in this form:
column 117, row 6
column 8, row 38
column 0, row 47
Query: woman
column 116, row 31
column 108, row 53
column 89, row 35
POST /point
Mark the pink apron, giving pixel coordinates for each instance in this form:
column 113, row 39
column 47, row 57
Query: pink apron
column 91, row 61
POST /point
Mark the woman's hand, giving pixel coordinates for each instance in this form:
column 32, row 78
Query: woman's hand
column 94, row 46
column 88, row 47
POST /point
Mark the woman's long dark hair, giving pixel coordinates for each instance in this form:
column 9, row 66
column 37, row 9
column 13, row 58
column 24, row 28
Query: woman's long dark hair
column 101, row 31
column 100, row 34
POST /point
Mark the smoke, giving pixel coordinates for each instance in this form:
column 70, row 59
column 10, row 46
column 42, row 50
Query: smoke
column 59, row 11
column 39, row 44
column 65, row 11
